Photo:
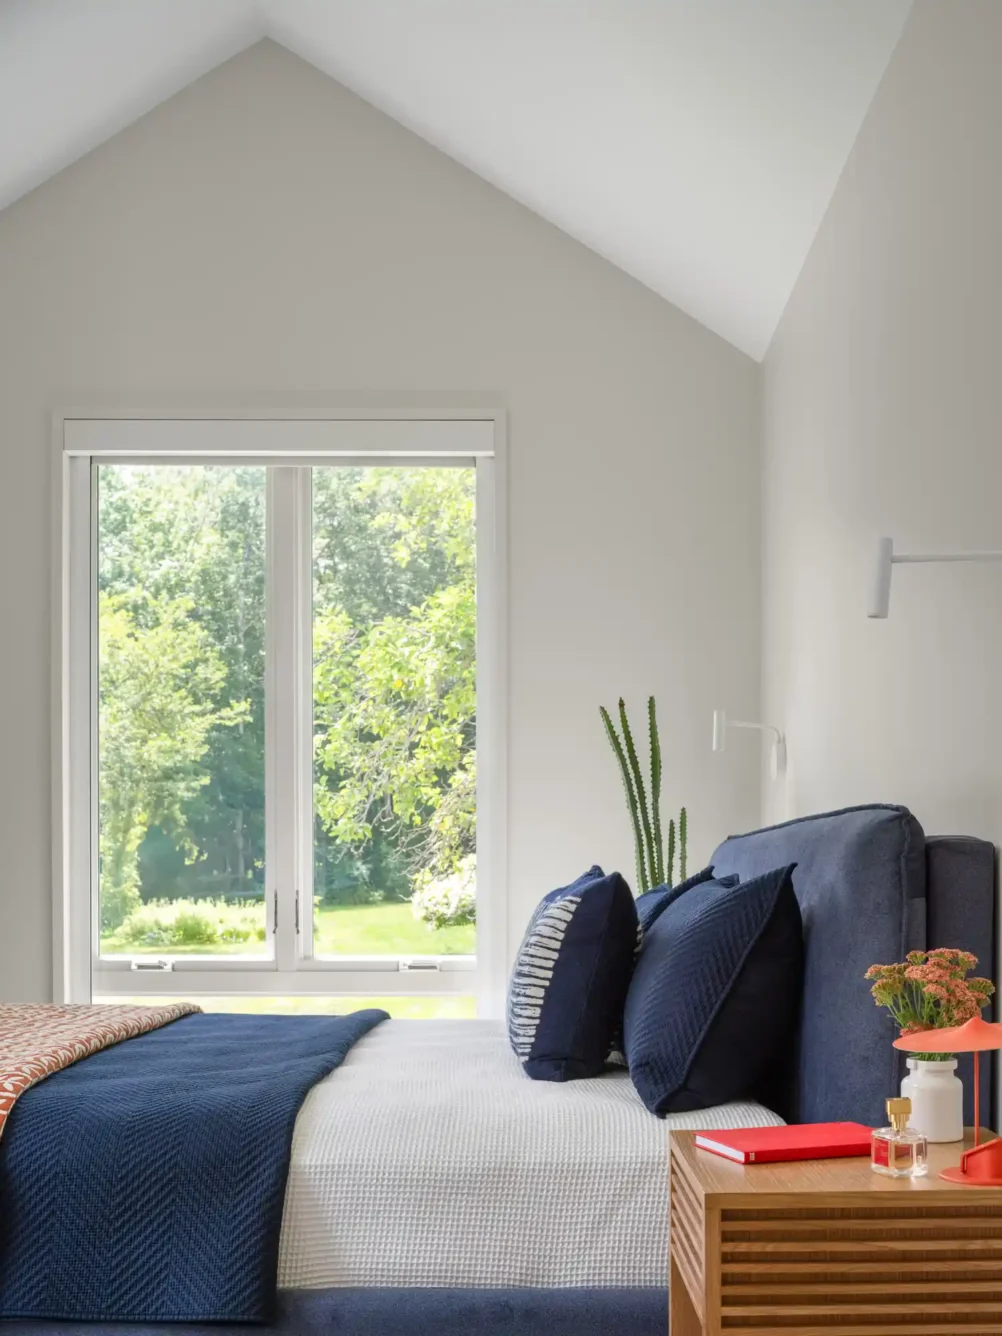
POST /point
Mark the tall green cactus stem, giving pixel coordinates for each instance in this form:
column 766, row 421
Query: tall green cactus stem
column 658, row 871
column 638, row 780
column 683, row 836
column 648, row 842
column 631, row 797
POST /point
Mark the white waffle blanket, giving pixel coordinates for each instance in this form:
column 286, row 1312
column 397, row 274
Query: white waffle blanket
column 429, row 1158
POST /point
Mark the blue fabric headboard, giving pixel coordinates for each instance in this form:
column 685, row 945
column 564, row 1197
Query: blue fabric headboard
column 871, row 888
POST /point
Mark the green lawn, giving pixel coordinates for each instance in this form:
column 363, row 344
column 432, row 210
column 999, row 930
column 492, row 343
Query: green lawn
column 364, row 930
column 387, row 929
column 353, row 930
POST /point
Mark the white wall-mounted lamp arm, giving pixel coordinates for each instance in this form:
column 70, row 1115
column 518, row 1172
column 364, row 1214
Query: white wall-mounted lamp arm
column 887, row 558
column 764, row 728
column 777, row 757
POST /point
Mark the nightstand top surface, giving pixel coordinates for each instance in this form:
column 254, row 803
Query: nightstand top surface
column 714, row 1176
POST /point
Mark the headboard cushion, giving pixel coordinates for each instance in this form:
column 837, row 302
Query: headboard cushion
column 861, row 883
column 960, row 889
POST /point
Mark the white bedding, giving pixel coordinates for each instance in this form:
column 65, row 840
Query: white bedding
column 429, row 1158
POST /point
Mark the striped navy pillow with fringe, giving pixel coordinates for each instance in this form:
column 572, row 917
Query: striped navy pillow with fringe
column 568, row 986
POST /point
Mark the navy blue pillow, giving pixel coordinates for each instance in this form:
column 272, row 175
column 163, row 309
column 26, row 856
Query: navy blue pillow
column 712, row 1008
column 652, row 903
column 568, row 987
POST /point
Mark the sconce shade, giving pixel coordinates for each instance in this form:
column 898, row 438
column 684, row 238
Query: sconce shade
column 880, row 590
column 887, row 559
column 719, row 729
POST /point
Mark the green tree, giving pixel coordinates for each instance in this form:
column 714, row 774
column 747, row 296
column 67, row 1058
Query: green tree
column 382, row 540
column 395, row 719
column 198, row 534
column 159, row 677
column 395, row 697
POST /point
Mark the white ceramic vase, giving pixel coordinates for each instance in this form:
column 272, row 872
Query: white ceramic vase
column 937, row 1097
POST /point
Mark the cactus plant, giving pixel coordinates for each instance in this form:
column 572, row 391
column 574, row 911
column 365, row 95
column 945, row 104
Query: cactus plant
column 644, row 804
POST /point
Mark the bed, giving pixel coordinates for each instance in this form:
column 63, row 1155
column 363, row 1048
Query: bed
column 429, row 1159
column 433, row 1188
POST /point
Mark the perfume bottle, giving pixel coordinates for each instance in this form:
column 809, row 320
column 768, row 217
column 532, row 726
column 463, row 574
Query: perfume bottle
column 899, row 1150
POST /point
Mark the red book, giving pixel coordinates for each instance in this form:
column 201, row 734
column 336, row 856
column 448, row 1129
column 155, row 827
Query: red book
column 798, row 1141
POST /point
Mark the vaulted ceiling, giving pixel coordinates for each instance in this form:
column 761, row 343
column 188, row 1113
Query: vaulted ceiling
column 694, row 143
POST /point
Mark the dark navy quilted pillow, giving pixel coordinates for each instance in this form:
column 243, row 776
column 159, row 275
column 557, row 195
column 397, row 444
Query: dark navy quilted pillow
column 652, row 903
column 712, row 1008
column 568, row 987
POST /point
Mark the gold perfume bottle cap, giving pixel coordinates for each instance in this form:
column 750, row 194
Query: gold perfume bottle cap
column 898, row 1110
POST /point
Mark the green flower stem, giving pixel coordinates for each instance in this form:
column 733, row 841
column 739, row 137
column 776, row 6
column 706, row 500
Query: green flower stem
column 915, row 1008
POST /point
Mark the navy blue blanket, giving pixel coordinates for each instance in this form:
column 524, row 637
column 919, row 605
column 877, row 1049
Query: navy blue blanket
column 146, row 1183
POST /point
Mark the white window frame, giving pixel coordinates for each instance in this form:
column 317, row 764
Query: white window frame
column 289, row 442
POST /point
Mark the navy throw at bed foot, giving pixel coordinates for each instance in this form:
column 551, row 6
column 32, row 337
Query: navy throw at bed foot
column 146, row 1183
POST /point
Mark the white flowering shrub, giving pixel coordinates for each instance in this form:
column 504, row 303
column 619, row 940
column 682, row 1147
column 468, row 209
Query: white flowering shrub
column 447, row 901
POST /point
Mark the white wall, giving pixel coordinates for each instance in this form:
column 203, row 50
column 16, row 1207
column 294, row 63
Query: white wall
column 883, row 415
column 266, row 236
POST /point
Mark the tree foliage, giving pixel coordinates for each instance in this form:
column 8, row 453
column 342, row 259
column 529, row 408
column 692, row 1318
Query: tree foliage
column 395, row 698
column 160, row 676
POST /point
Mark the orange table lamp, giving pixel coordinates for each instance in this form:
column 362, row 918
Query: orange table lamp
column 982, row 1165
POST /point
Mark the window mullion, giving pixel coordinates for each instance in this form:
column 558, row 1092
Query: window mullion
column 281, row 694
column 303, row 722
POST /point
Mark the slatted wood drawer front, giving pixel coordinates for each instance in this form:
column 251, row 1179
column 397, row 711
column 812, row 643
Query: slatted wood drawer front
column 887, row 1270
column 688, row 1229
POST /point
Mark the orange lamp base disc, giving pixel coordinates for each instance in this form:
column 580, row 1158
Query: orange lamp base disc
column 957, row 1175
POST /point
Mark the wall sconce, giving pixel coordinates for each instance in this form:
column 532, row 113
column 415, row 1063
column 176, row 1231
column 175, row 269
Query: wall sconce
column 887, row 559
column 777, row 756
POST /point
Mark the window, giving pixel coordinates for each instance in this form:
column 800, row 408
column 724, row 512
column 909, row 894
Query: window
column 282, row 764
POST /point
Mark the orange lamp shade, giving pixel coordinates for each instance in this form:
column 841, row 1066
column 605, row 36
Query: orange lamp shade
column 974, row 1036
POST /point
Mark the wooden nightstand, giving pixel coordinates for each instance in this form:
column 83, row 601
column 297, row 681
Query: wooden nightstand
column 829, row 1248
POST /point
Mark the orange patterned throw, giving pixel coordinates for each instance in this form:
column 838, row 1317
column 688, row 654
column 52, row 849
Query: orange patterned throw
column 36, row 1041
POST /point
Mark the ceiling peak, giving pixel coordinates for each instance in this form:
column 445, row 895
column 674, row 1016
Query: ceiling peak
column 694, row 143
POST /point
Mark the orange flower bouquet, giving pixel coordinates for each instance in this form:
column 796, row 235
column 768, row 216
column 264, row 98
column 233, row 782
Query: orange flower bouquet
column 929, row 991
